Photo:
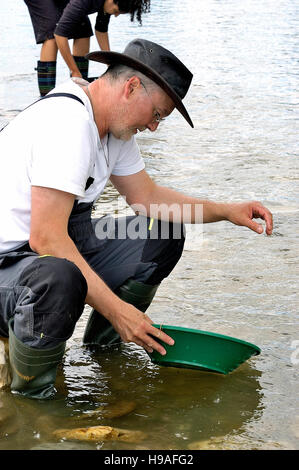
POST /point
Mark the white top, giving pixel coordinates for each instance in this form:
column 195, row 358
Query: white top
column 55, row 144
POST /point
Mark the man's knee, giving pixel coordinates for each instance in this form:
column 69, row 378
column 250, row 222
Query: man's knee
column 50, row 275
column 52, row 294
column 165, row 249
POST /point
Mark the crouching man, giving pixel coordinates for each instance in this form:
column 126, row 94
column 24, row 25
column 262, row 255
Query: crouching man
column 58, row 156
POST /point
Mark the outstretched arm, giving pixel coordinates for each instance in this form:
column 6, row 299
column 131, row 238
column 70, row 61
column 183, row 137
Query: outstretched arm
column 150, row 199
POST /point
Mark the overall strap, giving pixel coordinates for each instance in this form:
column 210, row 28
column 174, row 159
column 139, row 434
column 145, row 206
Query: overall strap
column 52, row 95
column 68, row 95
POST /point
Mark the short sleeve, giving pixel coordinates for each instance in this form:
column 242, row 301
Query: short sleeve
column 129, row 160
column 63, row 159
column 102, row 22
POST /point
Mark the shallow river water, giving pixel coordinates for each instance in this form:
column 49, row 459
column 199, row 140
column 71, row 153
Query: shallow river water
column 244, row 57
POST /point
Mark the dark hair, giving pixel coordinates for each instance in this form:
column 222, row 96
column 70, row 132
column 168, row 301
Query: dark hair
column 135, row 7
column 115, row 71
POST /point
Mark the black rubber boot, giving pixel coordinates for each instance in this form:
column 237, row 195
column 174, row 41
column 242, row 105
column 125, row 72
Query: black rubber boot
column 99, row 330
column 33, row 370
column 46, row 76
column 82, row 65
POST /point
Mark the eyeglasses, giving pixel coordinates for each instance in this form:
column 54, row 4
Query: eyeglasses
column 157, row 116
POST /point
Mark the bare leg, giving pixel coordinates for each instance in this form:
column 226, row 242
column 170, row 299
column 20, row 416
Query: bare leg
column 81, row 46
column 48, row 51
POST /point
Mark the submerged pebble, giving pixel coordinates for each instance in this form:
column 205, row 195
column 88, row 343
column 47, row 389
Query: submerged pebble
column 100, row 433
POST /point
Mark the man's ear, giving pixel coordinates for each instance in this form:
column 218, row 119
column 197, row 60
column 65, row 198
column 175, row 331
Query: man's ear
column 131, row 86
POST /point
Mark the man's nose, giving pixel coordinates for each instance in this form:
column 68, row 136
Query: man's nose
column 153, row 126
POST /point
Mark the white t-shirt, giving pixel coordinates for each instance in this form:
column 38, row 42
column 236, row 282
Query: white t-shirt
column 55, row 144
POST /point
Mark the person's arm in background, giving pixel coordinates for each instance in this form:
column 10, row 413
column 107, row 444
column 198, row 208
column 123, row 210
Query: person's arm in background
column 64, row 48
column 103, row 40
column 101, row 30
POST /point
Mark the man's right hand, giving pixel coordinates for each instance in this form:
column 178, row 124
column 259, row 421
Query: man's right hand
column 135, row 326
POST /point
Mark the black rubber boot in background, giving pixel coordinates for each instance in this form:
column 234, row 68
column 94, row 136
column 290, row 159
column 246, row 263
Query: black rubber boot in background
column 46, row 76
column 82, row 65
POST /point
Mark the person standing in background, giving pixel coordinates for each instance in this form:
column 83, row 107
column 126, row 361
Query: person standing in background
column 56, row 21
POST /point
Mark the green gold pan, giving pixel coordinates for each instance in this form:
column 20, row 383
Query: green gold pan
column 197, row 349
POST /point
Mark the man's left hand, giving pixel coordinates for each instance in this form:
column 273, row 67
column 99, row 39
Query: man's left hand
column 244, row 213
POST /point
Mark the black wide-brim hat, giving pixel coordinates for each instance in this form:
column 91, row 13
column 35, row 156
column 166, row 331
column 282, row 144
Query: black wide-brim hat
column 157, row 63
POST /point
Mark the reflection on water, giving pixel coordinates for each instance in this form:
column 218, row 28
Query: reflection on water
column 173, row 407
column 230, row 281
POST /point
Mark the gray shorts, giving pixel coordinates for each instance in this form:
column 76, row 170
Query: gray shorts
column 45, row 15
